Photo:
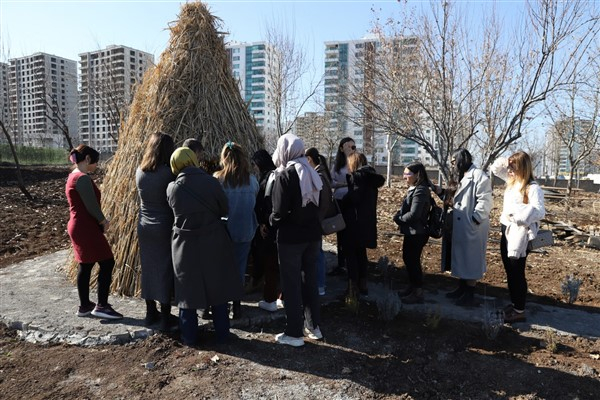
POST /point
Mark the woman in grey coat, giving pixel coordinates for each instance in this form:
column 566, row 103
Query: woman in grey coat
column 154, row 229
column 472, row 204
column 205, row 272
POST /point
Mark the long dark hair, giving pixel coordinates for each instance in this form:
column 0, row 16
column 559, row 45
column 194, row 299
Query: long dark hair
column 263, row 160
column 340, row 157
column 463, row 161
column 158, row 151
column 79, row 153
column 419, row 170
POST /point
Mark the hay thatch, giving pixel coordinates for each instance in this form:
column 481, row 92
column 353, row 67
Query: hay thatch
column 190, row 93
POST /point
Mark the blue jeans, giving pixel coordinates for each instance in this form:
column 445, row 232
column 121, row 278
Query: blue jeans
column 188, row 324
column 241, row 250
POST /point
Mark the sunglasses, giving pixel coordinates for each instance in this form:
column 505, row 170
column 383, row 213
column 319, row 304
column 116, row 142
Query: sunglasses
column 408, row 174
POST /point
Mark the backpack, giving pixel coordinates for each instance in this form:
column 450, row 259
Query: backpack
column 435, row 220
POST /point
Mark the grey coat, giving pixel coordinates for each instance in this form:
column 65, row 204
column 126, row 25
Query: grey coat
column 154, row 228
column 471, row 224
column 205, row 272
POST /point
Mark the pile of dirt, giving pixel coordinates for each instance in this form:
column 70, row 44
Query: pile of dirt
column 412, row 356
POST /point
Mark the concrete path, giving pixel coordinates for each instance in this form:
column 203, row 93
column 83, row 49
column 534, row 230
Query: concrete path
column 38, row 300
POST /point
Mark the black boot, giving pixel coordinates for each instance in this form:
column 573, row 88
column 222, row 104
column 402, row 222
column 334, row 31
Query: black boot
column 152, row 315
column 459, row 291
column 468, row 298
column 237, row 309
column 167, row 320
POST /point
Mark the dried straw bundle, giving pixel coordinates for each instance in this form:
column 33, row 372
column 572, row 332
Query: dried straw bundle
column 190, row 93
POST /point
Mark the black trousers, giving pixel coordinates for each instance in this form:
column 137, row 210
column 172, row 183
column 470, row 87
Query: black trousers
column 104, row 278
column 412, row 248
column 515, row 274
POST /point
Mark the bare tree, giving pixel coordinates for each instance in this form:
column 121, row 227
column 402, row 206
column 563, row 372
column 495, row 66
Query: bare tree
column 288, row 86
column 20, row 181
column 443, row 84
column 575, row 114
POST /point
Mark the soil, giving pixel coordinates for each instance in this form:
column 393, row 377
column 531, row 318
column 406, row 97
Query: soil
column 411, row 357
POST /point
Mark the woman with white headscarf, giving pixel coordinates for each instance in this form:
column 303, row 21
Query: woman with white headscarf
column 295, row 197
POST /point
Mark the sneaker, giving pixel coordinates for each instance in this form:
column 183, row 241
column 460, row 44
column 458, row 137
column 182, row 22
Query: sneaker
column 280, row 303
column 282, row 338
column 321, row 290
column 265, row 305
column 84, row 311
column 314, row 334
column 513, row 316
column 106, row 312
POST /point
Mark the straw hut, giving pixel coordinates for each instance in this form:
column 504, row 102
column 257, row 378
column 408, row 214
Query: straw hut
column 189, row 93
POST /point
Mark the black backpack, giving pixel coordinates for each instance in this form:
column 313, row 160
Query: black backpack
column 435, row 220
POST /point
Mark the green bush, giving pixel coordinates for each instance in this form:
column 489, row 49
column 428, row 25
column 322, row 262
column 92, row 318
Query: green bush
column 34, row 155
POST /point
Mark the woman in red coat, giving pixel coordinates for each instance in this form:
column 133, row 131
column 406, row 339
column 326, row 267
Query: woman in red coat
column 86, row 228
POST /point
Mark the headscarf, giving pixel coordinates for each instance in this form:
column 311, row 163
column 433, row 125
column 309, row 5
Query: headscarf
column 290, row 151
column 181, row 158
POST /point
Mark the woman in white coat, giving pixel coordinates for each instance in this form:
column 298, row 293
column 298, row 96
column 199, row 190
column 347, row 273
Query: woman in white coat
column 470, row 226
column 521, row 214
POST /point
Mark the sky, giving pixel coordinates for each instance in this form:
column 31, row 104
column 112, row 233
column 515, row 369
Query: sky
column 66, row 28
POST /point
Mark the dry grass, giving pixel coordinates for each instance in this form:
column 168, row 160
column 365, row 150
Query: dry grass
column 189, row 93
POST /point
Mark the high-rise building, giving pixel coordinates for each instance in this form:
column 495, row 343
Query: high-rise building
column 108, row 80
column 250, row 66
column 345, row 72
column 42, row 100
column 4, row 105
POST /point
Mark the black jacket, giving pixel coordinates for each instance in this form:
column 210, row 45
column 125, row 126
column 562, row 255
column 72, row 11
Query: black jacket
column 296, row 224
column 412, row 217
column 360, row 206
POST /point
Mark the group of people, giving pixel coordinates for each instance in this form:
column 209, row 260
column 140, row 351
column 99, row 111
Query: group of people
column 198, row 228
column 468, row 202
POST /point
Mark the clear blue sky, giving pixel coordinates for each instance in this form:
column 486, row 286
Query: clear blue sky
column 67, row 28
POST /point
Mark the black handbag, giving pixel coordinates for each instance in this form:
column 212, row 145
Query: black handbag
column 333, row 224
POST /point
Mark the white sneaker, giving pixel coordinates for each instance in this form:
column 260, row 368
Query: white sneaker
column 282, row 338
column 321, row 290
column 265, row 305
column 280, row 303
column 314, row 334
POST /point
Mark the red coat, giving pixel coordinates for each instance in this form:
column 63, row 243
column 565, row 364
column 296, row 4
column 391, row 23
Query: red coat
column 89, row 243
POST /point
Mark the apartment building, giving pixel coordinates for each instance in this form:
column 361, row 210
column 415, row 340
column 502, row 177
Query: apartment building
column 108, row 80
column 345, row 73
column 42, row 100
column 557, row 162
column 250, row 65
column 4, row 105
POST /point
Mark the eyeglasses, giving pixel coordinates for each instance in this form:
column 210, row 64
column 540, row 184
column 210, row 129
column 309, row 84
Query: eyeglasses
column 353, row 147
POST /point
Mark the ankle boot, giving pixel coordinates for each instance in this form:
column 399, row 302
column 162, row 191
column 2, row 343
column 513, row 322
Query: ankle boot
column 468, row 298
column 415, row 297
column 237, row 309
column 459, row 291
column 362, row 287
column 152, row 315
column 167, row 321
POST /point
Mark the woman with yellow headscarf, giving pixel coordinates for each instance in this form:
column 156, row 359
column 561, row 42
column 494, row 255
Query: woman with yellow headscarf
column 205, row 273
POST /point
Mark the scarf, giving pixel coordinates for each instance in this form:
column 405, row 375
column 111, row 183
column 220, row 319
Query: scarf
column 290, row 151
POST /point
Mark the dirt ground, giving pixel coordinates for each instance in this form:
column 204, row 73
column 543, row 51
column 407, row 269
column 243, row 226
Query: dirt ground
column 411, row 357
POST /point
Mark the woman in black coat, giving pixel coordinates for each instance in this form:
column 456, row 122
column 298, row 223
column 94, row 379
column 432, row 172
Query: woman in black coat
column 412, row 220
column 360, row 215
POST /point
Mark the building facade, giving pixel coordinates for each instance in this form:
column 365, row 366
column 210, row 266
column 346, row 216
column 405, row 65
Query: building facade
column 4, row 105
column 345, row 73
column 250, row 65
column 42, row 100
column 107, row 83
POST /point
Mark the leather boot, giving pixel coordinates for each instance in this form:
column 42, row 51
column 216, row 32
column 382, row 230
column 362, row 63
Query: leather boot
column 459, row 291
column 468, row 298
column 416, row 297
column 152, row 315
column 237, row 309
column 167, row 320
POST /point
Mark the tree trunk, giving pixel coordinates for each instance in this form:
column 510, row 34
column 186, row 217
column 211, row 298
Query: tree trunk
column 20, row 181
column 389, row 161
